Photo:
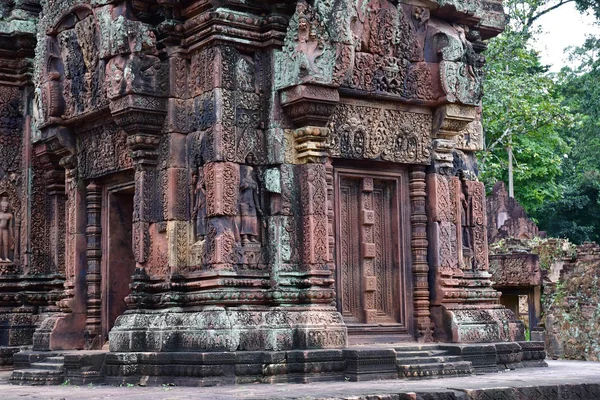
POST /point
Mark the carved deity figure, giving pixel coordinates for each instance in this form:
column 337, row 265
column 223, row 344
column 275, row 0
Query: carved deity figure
column 7, row 230
column 250, row 210
column 199, row 212
column 308, row 44
column 466, row 221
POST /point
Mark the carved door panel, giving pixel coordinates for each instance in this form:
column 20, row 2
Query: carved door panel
column 371, row 278
column 349, row 257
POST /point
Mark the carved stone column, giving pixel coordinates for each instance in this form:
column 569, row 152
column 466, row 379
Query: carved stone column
column 311, row 282
column 420, row 267
column 94, row 259
column 464, row 306
column 65, row 330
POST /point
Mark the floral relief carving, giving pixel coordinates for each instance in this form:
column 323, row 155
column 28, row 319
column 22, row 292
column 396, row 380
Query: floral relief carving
column 102, row 150
column 388, row 41
column 361, row 132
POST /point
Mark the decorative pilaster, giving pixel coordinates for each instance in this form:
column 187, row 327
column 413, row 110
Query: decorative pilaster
column 420, row 267
column 56, row 192
column 94, row 259
column 70, row 240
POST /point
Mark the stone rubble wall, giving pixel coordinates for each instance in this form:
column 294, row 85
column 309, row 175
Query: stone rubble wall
column 570, row 294
column 571, row 302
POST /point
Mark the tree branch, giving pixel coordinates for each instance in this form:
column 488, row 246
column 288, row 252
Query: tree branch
column 533, row 18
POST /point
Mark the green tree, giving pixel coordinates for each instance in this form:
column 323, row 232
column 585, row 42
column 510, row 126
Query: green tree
column 552, row 123
column 576, row 215
column 523, row 110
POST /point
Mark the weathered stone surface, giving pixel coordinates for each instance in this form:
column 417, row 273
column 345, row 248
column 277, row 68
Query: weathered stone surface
column 507, row 218
column 244, row 175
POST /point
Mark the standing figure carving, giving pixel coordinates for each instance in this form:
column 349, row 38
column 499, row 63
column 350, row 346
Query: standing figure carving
column 250, row 210
column 466, row 222
column 199, row 212
column 7, row 230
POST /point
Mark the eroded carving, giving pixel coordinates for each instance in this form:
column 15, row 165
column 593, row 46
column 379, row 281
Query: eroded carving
column 7, row 231
column 250, row 209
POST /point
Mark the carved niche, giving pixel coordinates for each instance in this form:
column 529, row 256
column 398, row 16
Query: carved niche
column 377, row 133
column 10, row 220
column 308, row 54
column 11, row 142
column 72, row 73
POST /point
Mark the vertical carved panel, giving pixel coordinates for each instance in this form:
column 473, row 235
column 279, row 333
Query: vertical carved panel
column 330, row 210
column 222, row 185
column 384, row 263
column 370, row 267
column 56, row 192
column 94, row 258
column 313, row 204
column 419, row 255
column 70, row 191
column 39, row 261
column 479, row 231
column 349, row 258
column 71, row 235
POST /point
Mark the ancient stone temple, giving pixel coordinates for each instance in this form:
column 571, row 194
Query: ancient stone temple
column 514, row 257
column 202, row 184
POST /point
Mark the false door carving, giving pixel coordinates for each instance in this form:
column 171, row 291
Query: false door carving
column 371, row 267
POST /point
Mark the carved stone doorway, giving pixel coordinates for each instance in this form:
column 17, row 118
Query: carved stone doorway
column 372, row 254
column 118, row 260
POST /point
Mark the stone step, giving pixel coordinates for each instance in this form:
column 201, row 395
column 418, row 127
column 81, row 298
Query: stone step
column 427, row 360
column 36, row 376
column 55, row 359
column 53, row 366
column 413, row 354
column 415, row 347
column 426, row 371
column 24, row 359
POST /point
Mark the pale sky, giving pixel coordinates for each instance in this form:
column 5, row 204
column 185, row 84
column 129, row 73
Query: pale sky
column 563, row 27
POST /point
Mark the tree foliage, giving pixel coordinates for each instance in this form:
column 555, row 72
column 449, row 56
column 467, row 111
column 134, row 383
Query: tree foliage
column 576, row 215
column 523, row 110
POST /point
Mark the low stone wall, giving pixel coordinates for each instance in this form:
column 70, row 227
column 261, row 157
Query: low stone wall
column 571, row 304
column 570, row 300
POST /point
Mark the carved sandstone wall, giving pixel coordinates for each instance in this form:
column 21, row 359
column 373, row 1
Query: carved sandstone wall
column 222, row 141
